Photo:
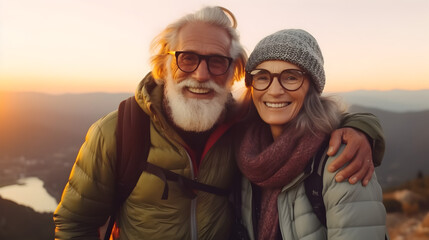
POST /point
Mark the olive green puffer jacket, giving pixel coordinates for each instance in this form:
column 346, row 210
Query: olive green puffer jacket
column 88, row 196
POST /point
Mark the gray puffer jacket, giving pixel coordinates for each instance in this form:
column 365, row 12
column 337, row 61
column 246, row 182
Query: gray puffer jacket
column 352, row 211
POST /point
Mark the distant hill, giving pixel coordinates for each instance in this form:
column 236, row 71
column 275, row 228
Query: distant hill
column 394, row 101
column 50, row 129
column 407, row 145
column 34, row 124
column 22, row 223
column 40, row 134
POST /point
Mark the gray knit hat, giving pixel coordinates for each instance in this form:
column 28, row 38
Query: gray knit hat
column 291, row 45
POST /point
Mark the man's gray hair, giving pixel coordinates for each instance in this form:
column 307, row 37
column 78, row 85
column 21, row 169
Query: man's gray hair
column 167, row 40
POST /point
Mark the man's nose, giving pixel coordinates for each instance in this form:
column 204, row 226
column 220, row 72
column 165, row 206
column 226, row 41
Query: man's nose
column 202, row 72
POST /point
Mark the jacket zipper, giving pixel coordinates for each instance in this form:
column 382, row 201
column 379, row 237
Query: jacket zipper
column 193, row 223
column 194, row 172
column 194, row 235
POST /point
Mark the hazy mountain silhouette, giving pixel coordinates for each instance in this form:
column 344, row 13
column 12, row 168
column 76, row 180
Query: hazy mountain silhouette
column 40, row 126
column 22, row 223
column 49, row 129
column 394, row 101
column 407, row 146
column 40, row 134
column 34, row 124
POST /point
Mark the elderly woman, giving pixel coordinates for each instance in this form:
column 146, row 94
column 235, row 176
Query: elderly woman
column 290, row 127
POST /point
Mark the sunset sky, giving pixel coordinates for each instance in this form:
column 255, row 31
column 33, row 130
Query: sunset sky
column 69, row 46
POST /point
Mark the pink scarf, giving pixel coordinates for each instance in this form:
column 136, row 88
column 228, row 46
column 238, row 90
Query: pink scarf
column 272, row 165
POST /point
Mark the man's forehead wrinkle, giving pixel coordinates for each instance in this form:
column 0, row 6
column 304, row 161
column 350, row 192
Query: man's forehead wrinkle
column 194, row 37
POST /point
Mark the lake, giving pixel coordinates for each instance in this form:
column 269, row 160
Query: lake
column 31, row 193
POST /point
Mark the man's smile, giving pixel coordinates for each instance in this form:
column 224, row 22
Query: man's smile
column 199, row 90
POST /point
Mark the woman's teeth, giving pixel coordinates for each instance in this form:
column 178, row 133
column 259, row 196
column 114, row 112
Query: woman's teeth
column 276, row 105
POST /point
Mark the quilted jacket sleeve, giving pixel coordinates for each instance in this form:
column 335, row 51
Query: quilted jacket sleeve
column 87, row 198
column 353, row 211
column 369, row 124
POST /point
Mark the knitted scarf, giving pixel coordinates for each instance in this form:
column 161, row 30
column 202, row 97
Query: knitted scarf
column 273, row 164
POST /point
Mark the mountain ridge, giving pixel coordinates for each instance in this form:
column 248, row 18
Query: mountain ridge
column 396, row 100
column 45, row 126
column 40, row 135
column 392, row 100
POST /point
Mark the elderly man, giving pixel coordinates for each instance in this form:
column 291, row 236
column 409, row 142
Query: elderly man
column 192, row 126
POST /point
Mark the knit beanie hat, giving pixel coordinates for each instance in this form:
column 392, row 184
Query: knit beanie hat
column 291, row 45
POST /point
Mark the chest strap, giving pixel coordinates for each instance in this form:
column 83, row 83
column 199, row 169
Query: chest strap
column 187, row 185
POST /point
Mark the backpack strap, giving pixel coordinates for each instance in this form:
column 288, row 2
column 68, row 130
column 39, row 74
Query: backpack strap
column 187, row 185
column 132, row 149
column 132, row 146
column 133, row 127
column 238, row 230
column 314, row 183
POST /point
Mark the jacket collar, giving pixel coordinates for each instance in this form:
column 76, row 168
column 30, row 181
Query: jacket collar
column 149, row 95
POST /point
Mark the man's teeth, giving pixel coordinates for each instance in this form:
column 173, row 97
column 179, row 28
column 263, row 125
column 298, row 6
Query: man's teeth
column 199, row 90
column 276, row 105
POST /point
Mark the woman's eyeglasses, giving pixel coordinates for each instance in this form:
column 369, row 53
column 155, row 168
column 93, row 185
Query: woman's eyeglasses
column 289, row 79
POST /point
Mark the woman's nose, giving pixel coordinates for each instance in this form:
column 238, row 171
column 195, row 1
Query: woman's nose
column 275, row 87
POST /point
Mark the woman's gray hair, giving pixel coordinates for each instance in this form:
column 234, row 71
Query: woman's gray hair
column 167, row 40
column 319, row 113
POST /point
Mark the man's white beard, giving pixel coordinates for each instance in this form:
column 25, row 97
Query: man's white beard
column 193, row 114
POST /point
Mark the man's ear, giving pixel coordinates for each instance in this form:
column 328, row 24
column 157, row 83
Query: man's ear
column 160, row 81
column 165, row 70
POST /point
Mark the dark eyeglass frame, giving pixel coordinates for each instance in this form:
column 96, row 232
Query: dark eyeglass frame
column 277, row 75
column 201, row 57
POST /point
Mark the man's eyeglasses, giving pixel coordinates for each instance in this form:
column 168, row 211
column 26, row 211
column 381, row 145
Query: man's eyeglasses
column 289, row 79
column 189, row 61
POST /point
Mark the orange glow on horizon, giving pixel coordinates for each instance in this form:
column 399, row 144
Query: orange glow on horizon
column 70, row 85
column 79, row 46
column 85, row 83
